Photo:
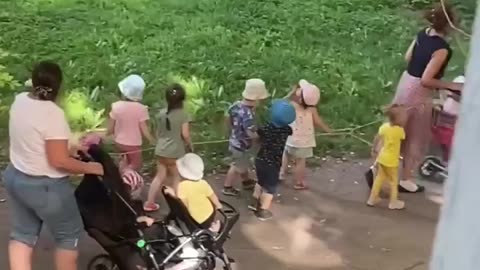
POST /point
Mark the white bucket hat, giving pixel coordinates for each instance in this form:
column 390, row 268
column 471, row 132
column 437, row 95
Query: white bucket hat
column 132, row 87
column 255, row 89
column 191, row 167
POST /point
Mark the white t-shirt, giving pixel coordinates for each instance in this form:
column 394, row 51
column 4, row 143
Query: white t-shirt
column 32, row 122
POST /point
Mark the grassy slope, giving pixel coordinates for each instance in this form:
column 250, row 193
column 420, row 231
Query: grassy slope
column 351, row 48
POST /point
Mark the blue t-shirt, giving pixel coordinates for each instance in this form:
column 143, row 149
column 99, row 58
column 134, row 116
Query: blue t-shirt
column 241, row 121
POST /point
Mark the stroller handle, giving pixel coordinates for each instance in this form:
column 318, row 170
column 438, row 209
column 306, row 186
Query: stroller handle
column 227, row 209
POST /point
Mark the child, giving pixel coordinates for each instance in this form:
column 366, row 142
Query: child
column 388, row 159
column 197, row 195
column 304, row 97
column 269, row 159
column 129, row 121
column 243, row 131
column 173, row 139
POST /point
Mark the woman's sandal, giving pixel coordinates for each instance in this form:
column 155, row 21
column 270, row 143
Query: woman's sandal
column 419, row 189
column 300, row 187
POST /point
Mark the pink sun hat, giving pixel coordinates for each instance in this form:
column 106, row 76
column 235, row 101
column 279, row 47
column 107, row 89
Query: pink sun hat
column 310, row 93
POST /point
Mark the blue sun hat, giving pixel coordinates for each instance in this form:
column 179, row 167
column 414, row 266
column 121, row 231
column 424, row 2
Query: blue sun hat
column 282, row 113
column 132, row 87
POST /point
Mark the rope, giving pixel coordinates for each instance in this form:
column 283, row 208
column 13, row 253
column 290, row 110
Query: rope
column 338, row 132
column 452, row 25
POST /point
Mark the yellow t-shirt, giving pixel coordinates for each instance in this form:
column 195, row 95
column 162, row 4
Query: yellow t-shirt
column 392, row 137
column 194, row 194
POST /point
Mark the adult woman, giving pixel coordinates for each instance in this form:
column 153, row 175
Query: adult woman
column 37, row 177
column 427, row 58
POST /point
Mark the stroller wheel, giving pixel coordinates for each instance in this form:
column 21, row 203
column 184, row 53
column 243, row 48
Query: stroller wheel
column 101, row 262
column 430, row 167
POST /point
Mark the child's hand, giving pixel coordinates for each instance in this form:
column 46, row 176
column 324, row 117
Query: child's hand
column 144, row 219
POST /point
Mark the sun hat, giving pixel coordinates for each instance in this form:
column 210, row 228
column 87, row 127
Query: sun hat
column 191, row 167
column 282, row 113
column 310, row 93
column 255, row 89
column 132, row 87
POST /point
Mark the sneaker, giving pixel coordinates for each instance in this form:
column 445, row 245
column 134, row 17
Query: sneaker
column 230, row 191
column 372, row 202
column 396, row 205
column 263, row 214
column 249, row 184
column 151, row 207
column 253, row 205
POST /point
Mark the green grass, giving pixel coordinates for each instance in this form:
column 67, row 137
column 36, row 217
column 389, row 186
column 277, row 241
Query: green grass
column 352, row 49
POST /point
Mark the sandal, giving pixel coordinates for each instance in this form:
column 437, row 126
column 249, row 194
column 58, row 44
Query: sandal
column 410, row 188
column 300, row 187
column 151, row 207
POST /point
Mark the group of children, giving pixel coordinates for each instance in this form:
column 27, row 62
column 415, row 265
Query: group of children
column 288, row 134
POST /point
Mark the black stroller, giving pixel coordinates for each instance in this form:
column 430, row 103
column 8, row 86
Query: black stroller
column 175, row 243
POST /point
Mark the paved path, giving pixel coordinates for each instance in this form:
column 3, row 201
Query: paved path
column 328, row 227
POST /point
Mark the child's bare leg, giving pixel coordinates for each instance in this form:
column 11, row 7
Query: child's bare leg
column 173, row 172
column 155, row 186
column 284, row 168
column 233, row 175
column 257, row 192
column 299, row 173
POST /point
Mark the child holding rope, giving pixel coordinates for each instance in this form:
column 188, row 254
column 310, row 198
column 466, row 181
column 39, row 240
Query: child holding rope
column 173, row 142
column 243, row 131
column 391, row 134
column 269, row 158
column 129, row 121
column 304, row 98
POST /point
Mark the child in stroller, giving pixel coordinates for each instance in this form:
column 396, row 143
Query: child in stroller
column 134, row 241
column 443, row 128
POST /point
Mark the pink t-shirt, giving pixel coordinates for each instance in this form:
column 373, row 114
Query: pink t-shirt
column 32, row 122
column 127, row 116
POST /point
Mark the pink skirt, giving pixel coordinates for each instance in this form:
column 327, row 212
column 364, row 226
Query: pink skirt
column 418, row 100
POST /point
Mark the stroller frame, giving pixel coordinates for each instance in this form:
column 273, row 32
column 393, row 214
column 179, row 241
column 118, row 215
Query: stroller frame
column 443, row 125
column 145, row 248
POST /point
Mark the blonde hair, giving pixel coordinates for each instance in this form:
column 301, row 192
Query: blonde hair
column 394, row 113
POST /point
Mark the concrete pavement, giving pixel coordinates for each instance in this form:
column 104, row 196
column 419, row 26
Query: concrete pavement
column 327, row 227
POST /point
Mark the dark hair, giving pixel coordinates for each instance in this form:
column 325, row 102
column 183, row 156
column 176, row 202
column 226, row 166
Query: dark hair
column 46, row 80
column 175, row 95
column 438, row 19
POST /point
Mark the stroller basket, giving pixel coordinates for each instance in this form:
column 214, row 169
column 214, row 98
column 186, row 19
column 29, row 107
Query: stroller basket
column 442, row 119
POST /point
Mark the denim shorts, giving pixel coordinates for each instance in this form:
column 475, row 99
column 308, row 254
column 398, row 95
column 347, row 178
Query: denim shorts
column 38, row 200
column 268, row 176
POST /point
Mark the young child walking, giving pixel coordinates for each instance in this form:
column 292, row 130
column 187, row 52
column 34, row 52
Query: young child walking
column 304, row 98
column 129, row 122
column 172, row 143
column 195, row 193
column 391, row 135
column 241, row 117
column 273, row 137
